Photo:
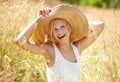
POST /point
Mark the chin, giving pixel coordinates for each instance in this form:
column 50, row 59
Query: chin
column 62, row 42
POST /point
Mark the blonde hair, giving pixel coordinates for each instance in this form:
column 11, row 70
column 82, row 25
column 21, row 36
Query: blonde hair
column 51, row 26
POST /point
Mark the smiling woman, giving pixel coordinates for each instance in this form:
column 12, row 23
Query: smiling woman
column 67, row 32
column 59, row 30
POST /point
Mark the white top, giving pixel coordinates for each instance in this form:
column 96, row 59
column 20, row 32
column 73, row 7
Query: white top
column 64, row 70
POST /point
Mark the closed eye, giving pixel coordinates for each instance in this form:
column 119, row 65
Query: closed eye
column 55, row 29
column 62, row 26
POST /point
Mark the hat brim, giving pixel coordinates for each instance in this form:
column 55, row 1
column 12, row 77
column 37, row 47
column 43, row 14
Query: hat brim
column 76, row 19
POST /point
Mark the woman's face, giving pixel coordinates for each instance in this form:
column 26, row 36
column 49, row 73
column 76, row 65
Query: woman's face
column 61, row 31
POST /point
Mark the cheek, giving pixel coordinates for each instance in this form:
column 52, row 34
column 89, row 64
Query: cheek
column 54, row 35
column 68, row 31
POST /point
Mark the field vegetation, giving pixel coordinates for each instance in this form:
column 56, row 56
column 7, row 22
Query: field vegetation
column 100, row 62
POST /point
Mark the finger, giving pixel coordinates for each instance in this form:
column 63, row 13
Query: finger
column 40, row 12
column 44, row 11
column 47, row 9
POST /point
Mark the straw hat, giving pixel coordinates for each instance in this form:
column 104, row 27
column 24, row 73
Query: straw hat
column 72, row 15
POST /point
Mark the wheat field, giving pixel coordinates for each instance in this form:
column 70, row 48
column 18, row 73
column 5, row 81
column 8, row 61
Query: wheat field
column 100, row 62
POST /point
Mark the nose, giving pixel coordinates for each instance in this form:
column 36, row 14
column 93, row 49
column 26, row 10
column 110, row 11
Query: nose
column 59, row 31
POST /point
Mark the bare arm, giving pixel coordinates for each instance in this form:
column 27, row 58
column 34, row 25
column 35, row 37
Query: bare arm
column 23, row 37
column 96, row 27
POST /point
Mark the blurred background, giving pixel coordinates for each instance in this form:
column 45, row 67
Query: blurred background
column 100, row 62
column 96, row 3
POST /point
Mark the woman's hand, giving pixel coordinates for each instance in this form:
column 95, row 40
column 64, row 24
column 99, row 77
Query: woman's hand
column 44, row 11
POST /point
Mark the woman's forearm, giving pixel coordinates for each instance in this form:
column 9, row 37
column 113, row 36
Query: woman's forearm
column 27, row 32
column 23, row 37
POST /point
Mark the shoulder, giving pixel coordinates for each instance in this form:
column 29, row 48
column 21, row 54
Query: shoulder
column 49, row 48
column 50, row 54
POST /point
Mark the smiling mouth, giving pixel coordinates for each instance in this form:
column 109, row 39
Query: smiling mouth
column 61, row 36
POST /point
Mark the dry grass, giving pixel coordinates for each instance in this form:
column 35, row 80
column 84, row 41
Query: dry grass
column 107, row 48
column 100, row 62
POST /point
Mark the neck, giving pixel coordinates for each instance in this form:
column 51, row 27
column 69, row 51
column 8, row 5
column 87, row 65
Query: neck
column 64, row 46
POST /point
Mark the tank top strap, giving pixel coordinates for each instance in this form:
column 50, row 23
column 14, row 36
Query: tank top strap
column 77, row 54
column 57, row 52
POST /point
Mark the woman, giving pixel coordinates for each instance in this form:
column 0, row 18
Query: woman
column 61, row 49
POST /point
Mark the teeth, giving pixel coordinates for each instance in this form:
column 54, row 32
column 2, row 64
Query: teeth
column 61, row 36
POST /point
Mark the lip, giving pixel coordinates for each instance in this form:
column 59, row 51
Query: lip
column 61, row 36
